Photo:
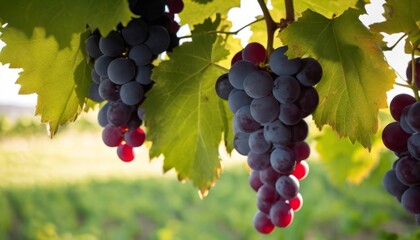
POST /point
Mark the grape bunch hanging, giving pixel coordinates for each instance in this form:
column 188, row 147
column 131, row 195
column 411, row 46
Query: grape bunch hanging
column 403, row 137
column 122, row 70
column 269, row 103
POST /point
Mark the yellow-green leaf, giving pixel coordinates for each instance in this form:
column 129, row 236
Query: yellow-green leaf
column 64, row 18
column 60, row 77
column 184, row 116
column 195, row 12
column 355, row 75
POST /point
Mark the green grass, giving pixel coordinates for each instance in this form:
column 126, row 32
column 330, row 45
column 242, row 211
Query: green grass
column 73, row 187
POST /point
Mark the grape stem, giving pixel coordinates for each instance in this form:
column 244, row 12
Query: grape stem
column 240, row 29
column 413, row 70
column 228, row 33
column 386, row 48
column 271, row 27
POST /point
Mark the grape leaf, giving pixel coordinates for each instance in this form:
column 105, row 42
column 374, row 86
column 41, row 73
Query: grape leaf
column 346, row 162
column 355, row 75
column 60, row 77
column 400, row 15
column 184, row 116
column 194, row 12
column 64, row 18
column 324, row 7
column 202, row 1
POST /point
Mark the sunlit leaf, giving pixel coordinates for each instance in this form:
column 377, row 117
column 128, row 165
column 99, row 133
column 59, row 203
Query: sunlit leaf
column 355, row 75
column 64, row 18
column 60, row 77
column 184, row 115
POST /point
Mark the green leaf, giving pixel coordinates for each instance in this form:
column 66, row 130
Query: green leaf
column 195, row 11
column 355, row 75
column 400, row 15
column 323, row 7
column 64, row 18
column 346, row 162
column 184, row 115
column 60, row 77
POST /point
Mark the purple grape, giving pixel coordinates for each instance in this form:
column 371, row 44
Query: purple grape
column 311, row 72
column 393, row 185
column 239, row 71
column 238, row 99
column 281, row 214
column 112, row 135
column 283, row 160
column 408, row 171
column 413, row 145
column 254, row 52
column 290, row 114
column 398, row 103
column 258, row 161
column 258, row 84
column 121, row 70
column 112, row 45
column 287, row 187
column 277, row 133
column 265, row 109
column 223, row 87
column 135, row 32
column 411, row 198
column 257, row 142
column 262, row 223
column 286, row 89
column 240, row 142
column 394, row 138
column 281, row 65
column 413, row 116
column 244, row 121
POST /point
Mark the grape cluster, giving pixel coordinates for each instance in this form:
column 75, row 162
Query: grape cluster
column 122, row 70
column 270, row 103
column 403, row 137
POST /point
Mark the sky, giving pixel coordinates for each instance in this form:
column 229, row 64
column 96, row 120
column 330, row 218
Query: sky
column 240, row 17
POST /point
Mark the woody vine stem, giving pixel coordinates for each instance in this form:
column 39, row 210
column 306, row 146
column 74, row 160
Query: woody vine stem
column 272, row 26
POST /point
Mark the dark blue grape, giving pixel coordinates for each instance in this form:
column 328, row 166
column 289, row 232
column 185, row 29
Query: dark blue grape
column 140, row 54
column 265, row 110
column 223, row 87
column 287, row 187
column 92, row 46
column 244, row 121
column 239, row 72
column 283, row 160
column 121, row 70
column 109, row 90
column 280, row 64
column 240, row 143
column 290, row 113
column 286, row 89
column 158, row 40
column 112, row 45
column 277, row 133
column 118, row 113
column 135, row 32
column 238, row 99
column 144, row 74
column 311, row 72
column 258, row 84
column 131, row 93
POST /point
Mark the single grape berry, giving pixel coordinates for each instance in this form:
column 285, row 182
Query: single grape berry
column 125, row 152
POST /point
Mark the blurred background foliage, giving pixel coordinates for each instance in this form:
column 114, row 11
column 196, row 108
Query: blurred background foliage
column 73, row 187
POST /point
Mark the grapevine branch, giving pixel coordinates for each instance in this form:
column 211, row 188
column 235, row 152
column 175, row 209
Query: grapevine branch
column 229, row 33
column 413, row 70
column 271, row 26
column 386, row 48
